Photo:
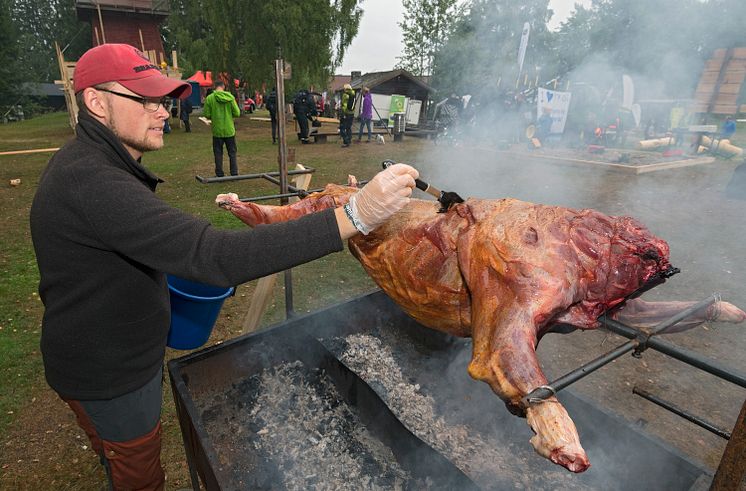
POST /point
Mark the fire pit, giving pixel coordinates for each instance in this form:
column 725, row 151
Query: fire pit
column 361, row 396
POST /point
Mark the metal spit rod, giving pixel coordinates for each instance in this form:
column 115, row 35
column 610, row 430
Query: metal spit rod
column 680, row 412
column 242, row 177
column 639, row 343
column 682, row 354
column 301, row 193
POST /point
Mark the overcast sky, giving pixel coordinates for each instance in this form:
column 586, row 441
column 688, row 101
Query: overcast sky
column 378, row 41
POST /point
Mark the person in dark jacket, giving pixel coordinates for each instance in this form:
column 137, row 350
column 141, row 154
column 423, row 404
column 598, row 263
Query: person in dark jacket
column 271, row 104
column 304, row 109
column 104, row 243
column 186, row 110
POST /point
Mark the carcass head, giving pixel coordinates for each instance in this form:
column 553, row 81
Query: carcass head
column 636, row 257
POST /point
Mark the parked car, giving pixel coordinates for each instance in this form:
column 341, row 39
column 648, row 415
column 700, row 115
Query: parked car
column 249, row 105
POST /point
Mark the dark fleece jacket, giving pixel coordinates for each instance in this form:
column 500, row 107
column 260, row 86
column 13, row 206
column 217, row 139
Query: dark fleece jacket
column 103, row 242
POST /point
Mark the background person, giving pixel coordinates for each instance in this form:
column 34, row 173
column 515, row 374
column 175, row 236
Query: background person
column 271, row 104
column 544, row 125
column 220, row 108
column 366, row 114
column 729, row 129
column 304, row 108
column 104, row 243
column 185, row 111
column 347, row 114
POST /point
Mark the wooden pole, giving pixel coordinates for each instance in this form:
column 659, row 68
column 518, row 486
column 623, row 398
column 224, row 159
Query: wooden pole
column 101, row 22
column 95, row 30
column 67, row 86
column 142, row 43
column 731, row 473
column 174, row 60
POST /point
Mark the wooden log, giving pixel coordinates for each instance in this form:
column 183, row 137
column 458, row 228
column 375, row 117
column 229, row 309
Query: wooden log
column 727, row 149
column 722, row 147
column 655, row 143
column 36, row 150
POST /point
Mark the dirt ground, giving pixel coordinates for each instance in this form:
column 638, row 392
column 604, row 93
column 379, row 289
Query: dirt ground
column 685, row 206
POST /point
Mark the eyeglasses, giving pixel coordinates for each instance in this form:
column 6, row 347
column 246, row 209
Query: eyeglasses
column 150, row 105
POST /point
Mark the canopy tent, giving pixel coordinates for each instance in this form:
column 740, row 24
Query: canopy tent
column 205, row 79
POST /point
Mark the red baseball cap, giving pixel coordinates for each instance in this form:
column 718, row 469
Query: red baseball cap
column 126, row 65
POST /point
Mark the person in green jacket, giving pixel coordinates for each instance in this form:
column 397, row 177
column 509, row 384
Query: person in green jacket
column 221, row 108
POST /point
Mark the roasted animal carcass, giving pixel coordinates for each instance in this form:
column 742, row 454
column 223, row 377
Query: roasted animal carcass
column 504, row 272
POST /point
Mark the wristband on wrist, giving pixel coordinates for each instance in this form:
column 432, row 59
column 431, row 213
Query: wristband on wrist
column 348, row 211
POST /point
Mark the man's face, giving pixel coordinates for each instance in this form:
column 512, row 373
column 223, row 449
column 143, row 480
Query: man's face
column 138, row 129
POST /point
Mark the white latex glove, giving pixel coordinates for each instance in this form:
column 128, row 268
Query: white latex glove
column 384, row 195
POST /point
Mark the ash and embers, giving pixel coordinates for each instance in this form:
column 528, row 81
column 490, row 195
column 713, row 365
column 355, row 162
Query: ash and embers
column 490, row 463
column 289, row 428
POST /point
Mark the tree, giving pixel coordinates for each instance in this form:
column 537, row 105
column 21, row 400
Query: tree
column 243, row 38
column 483, row 45
column 42, row 22
column 426, row 26
column 11, row 72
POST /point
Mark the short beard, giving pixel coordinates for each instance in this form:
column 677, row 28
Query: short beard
column 141, row 145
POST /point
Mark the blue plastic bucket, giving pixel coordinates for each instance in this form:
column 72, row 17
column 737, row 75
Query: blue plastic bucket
column 194, row 310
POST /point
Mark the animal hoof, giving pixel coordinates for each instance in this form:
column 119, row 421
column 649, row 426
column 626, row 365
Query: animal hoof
column 574, row 462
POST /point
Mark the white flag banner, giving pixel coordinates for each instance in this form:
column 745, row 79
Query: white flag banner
column 524, row 44
column 558, row 102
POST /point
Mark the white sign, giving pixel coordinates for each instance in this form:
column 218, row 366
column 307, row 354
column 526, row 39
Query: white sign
column 524, row 44
column 558, row 102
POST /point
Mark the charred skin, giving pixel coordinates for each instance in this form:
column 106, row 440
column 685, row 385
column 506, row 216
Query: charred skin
column 503, row 272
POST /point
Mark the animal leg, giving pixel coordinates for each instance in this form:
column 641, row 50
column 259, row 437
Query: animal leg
column 505, row 357
column 641, row 314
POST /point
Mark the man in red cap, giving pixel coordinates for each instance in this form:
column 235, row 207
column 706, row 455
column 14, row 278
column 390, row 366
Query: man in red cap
column 104, row 243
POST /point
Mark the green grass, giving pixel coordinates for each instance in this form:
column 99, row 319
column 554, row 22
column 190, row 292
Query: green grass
column 317, row 284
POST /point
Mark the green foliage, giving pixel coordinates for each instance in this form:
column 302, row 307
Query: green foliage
column 28, row 30
column 484, row 45
column 40, row 23
column 10, row 74
column 243, row 38
column 664, row 43
column 426, row 25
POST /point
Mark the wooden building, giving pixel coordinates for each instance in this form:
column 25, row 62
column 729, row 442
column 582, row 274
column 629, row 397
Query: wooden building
column 721, row 88
column 133, row 22
column 395, row 82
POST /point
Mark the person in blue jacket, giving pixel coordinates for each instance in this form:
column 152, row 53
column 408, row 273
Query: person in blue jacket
column 729, row 129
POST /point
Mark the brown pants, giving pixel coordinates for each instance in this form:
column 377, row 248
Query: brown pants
column 130, row 453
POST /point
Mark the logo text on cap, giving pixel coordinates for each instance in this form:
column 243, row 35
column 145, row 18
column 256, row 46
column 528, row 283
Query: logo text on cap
column 142, row 68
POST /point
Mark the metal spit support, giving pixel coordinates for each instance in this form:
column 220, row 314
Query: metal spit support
column 639, row 342
column 680, row 412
